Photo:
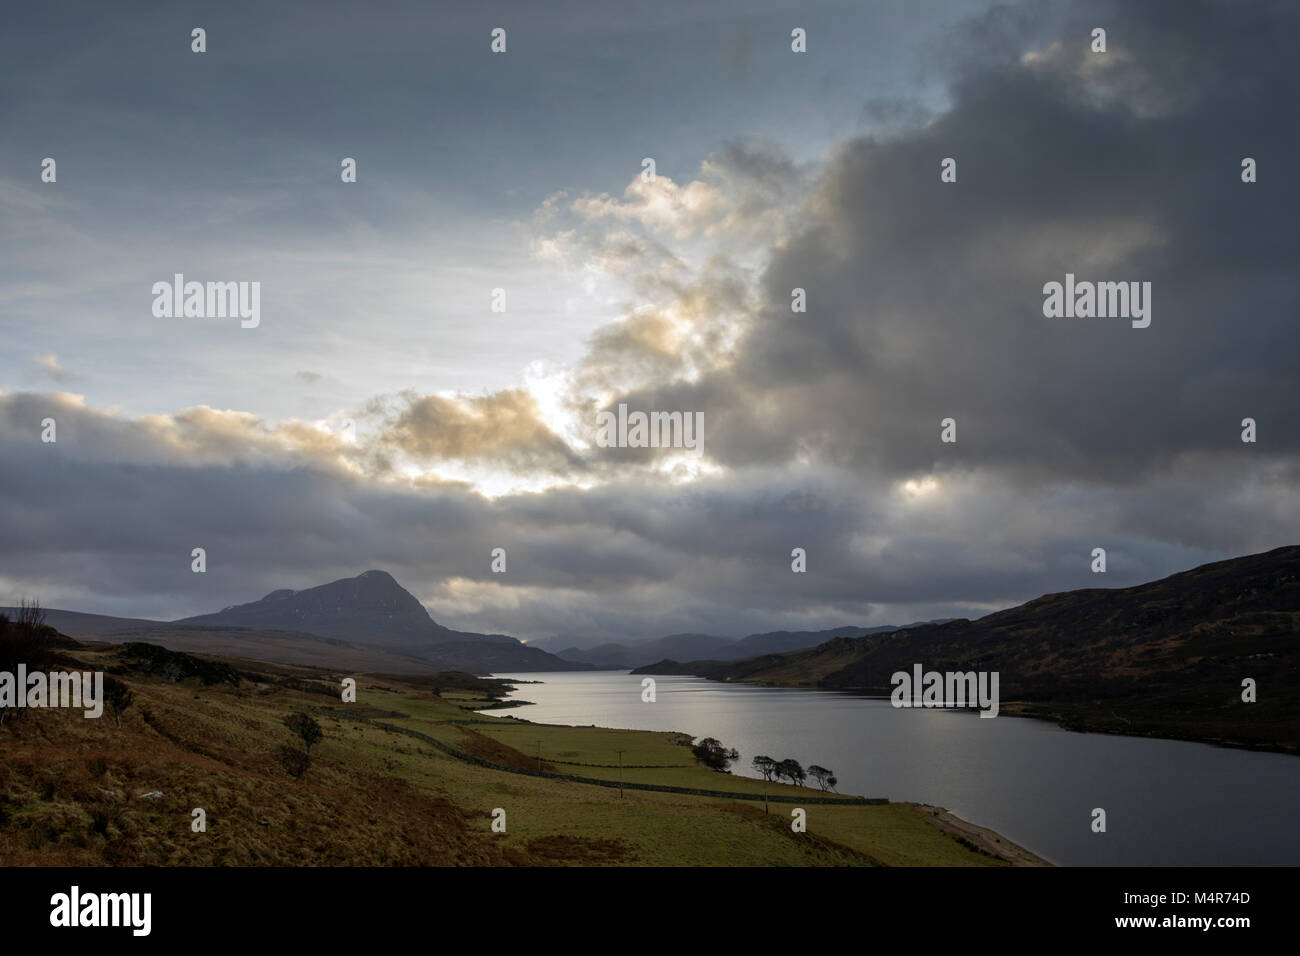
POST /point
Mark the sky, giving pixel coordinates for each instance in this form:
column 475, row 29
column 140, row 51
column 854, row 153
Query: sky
column 381, row 414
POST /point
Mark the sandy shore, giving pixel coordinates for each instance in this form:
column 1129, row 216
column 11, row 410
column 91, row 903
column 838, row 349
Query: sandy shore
column 990, row 841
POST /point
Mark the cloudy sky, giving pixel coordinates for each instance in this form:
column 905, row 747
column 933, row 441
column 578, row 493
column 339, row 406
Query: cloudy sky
column 381, row 415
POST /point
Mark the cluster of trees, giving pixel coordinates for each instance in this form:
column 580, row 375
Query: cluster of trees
column 791, row 770
column 305, row 728
column 712, row 753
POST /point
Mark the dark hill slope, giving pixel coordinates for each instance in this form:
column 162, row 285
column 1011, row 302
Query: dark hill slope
column 1166, row 658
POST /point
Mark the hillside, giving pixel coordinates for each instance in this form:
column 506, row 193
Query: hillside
column 78, row 624
column 400, row 778
column 1165, row 658
column 280, row 647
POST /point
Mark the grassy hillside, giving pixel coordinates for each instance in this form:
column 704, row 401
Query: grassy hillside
column 72, row 790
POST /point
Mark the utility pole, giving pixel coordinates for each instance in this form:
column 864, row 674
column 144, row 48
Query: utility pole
column 620, row 775
column 539, row 756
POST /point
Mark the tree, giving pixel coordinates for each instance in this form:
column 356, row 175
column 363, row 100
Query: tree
column 30, row 615
column 712, row 753
column 790, row 770
column 824, row 777
column 765, row 766
column 117, row 698
column 26, row 639
column 306, row 728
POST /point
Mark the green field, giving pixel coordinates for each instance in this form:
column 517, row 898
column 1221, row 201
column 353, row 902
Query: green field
column 662, row 828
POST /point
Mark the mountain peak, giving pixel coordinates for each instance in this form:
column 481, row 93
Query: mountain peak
column 369, row 608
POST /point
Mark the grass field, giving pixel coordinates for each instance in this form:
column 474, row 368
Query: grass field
column 71, row 789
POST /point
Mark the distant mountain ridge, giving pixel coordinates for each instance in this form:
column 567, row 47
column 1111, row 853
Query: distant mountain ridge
column 368, row 621
column 696, row 647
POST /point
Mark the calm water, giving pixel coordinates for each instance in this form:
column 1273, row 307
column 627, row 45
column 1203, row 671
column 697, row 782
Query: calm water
column 1167, row 802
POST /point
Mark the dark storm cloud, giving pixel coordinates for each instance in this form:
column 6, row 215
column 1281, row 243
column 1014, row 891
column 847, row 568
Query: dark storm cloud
column 925, row 299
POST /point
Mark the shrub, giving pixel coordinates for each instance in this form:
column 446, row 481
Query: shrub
column 306, row 728
column 117, row 698
column 294, row 761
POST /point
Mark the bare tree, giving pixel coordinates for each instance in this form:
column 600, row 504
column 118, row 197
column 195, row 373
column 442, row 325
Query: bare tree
column 26, row 639
column 30, row 614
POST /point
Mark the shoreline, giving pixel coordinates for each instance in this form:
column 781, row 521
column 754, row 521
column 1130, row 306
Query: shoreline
column 981, row 838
